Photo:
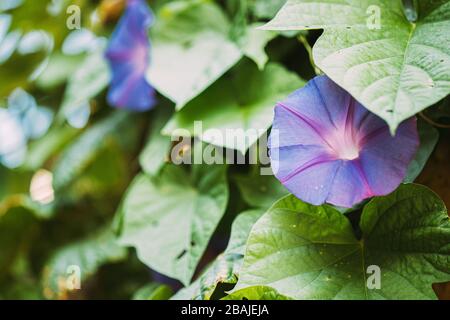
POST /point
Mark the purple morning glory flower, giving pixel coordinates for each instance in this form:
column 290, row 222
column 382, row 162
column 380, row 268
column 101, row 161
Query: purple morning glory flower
column 325, row 147
column 128, row 55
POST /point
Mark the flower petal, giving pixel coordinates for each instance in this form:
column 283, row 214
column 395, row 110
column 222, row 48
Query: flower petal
column 133, row 93
column 385, row 159
column 297, row 166
column 349, row 185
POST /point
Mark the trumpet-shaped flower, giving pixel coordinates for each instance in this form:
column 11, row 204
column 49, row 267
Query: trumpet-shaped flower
column 128, row 54
column 325, row 147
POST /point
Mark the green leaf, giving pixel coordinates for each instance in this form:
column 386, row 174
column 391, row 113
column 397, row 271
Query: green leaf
column 87, row 254
column 191, row 49
column 171, row 218
column 429, row 137
column 243, row 107
column 260, row 191
column 153, row 291
column 225, row 269
column 79, row 155
column 256, row 293
column 396, row 70
column 240, row 231
column 308, row 252
column 91, row 78
column 54, row 140
column 266, row 9
column 254, row 43
column 156, row 151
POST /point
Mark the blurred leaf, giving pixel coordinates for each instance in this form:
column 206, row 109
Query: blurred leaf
column 86, row 255
column 243, row 106
column 6, row 5
column 41, row 150
column 429, row 137
column 156, row 151
column 21, row 283
column 27, row 45
column 254, row 44
column 153, row 291
column 76, row 158
column 170, row 219
column 191, row 49
column 97, row 181
column 91, row 78
column 266, row 9
column 312, row 252
column 260, row 191
column 59, row 69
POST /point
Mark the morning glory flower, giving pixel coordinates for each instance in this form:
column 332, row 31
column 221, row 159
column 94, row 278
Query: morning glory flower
column 128, row 55
column 325, row 147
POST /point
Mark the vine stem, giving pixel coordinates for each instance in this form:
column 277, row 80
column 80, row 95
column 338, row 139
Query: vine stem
column 433, row 123
column 308, row 48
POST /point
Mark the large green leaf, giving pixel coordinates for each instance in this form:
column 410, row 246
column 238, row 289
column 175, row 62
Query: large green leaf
column 225, row 269
column 238, row 109
column 171, row 218
column 309, row 252
column 85, row 256
column 395, row 70
column 191, row 49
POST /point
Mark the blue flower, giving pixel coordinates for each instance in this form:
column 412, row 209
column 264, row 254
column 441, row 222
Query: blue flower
column 128, row 54
column 325, row 147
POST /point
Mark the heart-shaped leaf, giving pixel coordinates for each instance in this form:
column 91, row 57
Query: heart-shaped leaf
column 191, row 49
column 309, row 252
column 170, row 218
